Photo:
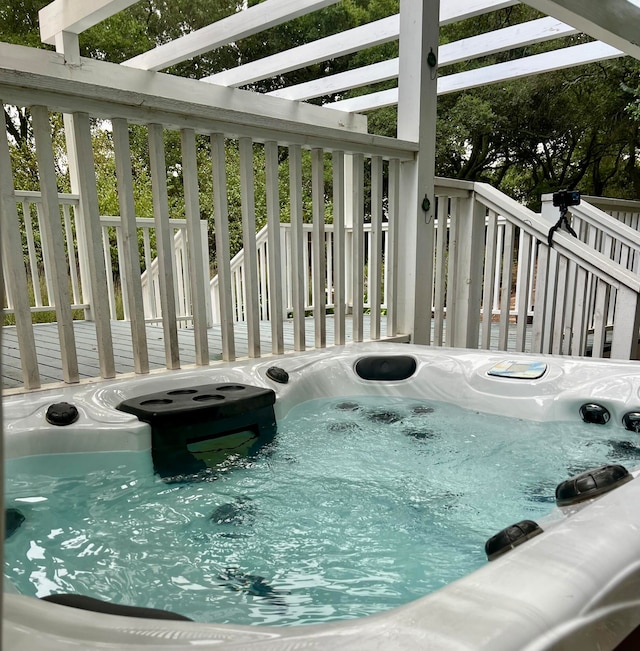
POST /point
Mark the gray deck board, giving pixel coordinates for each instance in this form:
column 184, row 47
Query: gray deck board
column 49, row 360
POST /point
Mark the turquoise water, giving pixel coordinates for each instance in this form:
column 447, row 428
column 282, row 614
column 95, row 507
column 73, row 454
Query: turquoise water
column 360, row 505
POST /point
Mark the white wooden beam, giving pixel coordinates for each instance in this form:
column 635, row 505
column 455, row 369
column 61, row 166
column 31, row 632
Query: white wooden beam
column 615, row 22
column 535, row 31
column 417, row 121
column 524, row 67
column 351, row 40
column 75, row 17
column 356, row 78
column 536, row 64
column 232, row 28
column 40, row 70
column 374, row 33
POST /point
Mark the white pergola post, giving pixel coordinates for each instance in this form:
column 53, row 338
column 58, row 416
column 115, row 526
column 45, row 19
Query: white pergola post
column 417, row 98
column 67, row 44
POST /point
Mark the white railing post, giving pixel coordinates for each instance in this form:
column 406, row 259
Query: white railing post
column 130, row 266
column 625, row 343
column 470, row 261
column 417, row 100
column 164, row 244
column 16, row 280
column 52, row 230
column 196, row 267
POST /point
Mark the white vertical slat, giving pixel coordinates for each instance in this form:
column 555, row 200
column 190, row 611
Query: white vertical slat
column 560, row 306
column 71, row 253
column 440, row 272
column 131, row 256
column 375, row 250
column 318, row 248
column 52, row 230
column 149, row 285
column 31, row 248
column 550, row 301
column 17, row 278
column 520, row 281
column 252, row 308
column 452, row 274
column 262, row 281
column 391, row 263
column 600, row 317
column 339, row 283
column 489, row 279
column 285, row 248
column 91, row 222
column 328, row 247
column 496, row 281
column 263, row 276
column 198, row 272
column 532, row 275
column 505, row 291
column 164, row 245
column 106, row 253
column 569, row 307
column 470, row 261
column 47, row 255
column 357, row 272
column 578, row 326
column 120, row 243
column 366, row 231
column 274, row 260
column 204, row 255
column 542, row 274
column 298, row 271
column 223, row 255
column 524, row 276
column 308, row 298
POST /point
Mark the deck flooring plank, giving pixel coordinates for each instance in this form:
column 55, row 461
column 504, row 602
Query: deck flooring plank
column 50, row 363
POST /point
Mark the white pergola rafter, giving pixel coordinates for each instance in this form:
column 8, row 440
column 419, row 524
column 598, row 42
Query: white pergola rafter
column 524, row 67
column 616, row 22
column 232, row 28
column 352, row 40
column 535, row 31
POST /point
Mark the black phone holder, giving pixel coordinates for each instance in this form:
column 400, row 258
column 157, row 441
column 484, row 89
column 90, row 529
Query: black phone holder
column 562, row 200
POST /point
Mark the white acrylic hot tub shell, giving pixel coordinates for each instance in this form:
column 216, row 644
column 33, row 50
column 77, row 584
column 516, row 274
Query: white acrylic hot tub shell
column 575, row 587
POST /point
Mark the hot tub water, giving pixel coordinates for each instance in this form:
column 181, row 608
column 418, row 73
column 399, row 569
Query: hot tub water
column 360, row 505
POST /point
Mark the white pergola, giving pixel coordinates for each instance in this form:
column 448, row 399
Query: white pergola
column 615, row 26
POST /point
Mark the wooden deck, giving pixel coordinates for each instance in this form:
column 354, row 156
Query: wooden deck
column 48, row 347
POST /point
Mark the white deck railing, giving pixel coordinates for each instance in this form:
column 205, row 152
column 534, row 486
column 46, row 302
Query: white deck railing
column 327, row 283
column 79, row 243
column 40, row 274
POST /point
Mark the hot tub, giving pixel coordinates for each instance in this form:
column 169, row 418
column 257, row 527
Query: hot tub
column 573, row 586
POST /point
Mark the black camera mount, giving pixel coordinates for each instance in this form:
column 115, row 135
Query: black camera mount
column 562, row 200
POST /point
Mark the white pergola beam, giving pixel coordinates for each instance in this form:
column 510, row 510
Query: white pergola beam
column 352, row 40
column 23, row 68
column 364, row 76
column 535, row 31
column 524, row 67
column 616, row 22
column 232, row 28
column 568, row 57
column 75, row 17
